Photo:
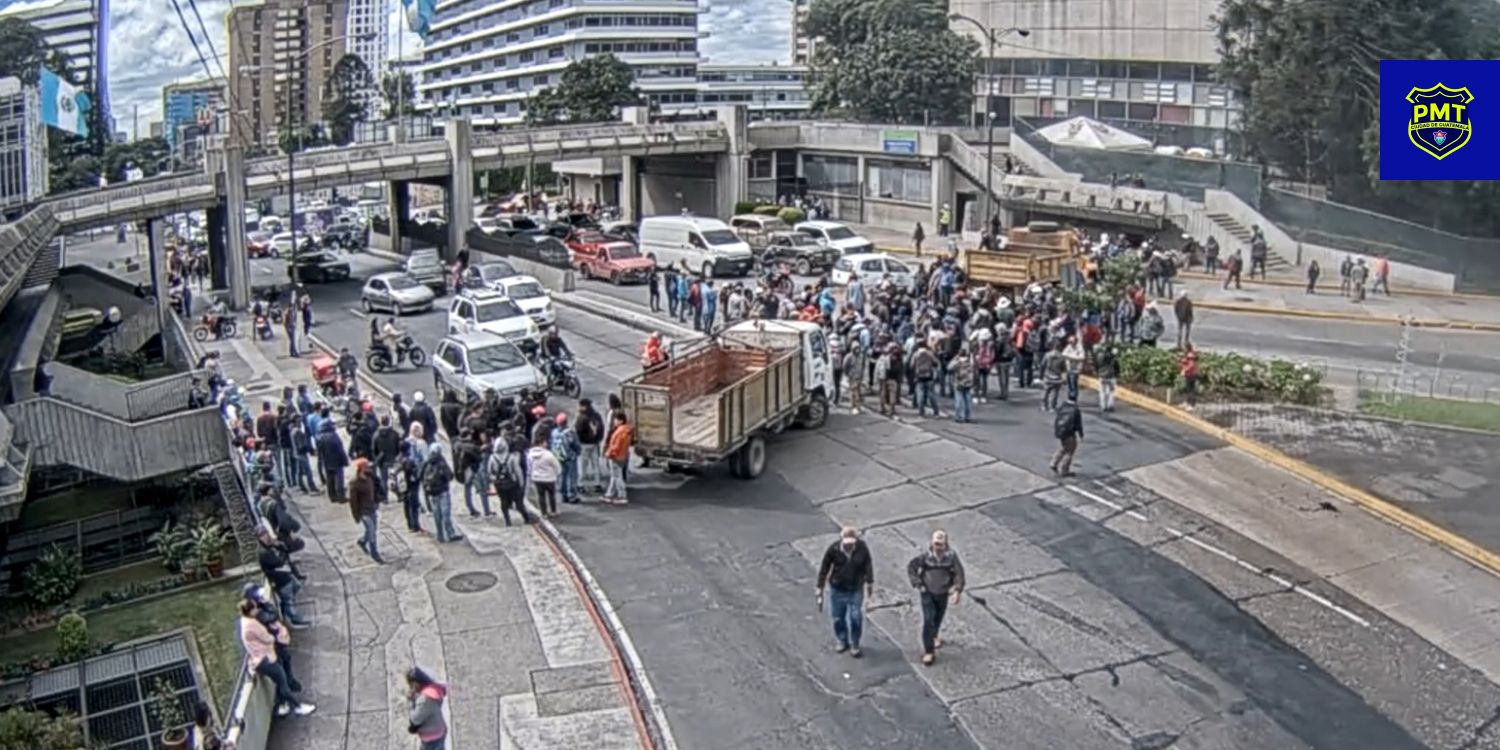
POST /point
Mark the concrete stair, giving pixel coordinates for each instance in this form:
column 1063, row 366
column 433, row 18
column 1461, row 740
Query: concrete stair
column 1242, row 235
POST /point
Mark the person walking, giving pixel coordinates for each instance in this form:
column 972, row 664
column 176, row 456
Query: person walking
column 1187, row 367
column 669, row 281
column 1182, row 309
column 333, row 459
column 621, row 436
column 1357, row 279
column 653, row 285
column 849, row 575
column 917, row 236
column 425, row 697
column 437, row 478
column 1054, row 372
column 1107, row 368
column 545, row 469
column 962, row 371
column 938, row 576
column 1067, row 427
column 590, row 428
column 1313, row 272
column 509, row 478
column 1233, row 269
column 1382, row 276
column 365, row 508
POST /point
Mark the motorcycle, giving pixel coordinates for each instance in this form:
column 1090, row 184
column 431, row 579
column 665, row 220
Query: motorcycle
column 263, row 328
column 562, row 377
column 204, row 329
column 380, row 359
column 277, row 313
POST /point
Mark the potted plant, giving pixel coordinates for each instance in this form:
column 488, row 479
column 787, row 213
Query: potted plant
column 166, row 710
column 173, row 546
column 209, row 539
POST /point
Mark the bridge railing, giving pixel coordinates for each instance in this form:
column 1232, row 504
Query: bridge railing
column 277, row 165
column 1088, row 195
column 74, row 200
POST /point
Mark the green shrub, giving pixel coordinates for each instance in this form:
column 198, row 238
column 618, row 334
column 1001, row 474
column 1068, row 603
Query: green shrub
column 20, row 728
column 54, row 576
column 165, row 707
column 745, row 207
column 72, row 637
column 791, row 215
column 1224, row 375
column 770, row 209
column 173, row 545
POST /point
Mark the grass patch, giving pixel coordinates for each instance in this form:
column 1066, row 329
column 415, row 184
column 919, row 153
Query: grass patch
column 1470, row 414
column 209, row 611
column 118, row 578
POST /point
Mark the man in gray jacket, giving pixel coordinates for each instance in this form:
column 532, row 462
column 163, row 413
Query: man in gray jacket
column 938, row 577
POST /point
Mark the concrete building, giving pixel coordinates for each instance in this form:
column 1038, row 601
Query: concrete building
column 269, row 39
column 484, row 59
column 23, row 144
column 190, row 106
column 369, row 38
column 1147, row 62
column 803, row 46
column 78, row 28
column 769, row 92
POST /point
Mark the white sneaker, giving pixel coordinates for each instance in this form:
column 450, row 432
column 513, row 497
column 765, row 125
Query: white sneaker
column 283, row 710
column 304, row 709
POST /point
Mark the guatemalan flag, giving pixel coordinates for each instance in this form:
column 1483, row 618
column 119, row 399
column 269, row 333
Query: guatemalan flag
column 419, row 15
column 63, row 106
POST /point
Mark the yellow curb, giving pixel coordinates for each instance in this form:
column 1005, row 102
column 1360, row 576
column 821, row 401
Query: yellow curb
column 1403, row 290
column 1383, row 509
column 1292, row 312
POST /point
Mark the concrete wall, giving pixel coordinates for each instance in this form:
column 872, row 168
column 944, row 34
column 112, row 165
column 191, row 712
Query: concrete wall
column 555, row 279
column 1145, row 30
column 669, row 194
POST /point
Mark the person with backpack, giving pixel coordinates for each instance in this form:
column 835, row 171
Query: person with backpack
column 403, row 485
column 938, row 576
column 924, row 367
column 505, row 471
column 468, row 455
column 591, row 471
column 982, row 342
column 564, row 444
column 437, row 476
column 1067, row 427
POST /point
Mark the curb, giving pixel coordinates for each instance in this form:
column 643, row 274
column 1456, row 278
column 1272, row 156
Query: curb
column 1383, row 509
column 1456, row 325
column 619, row 314
column 1403, row 290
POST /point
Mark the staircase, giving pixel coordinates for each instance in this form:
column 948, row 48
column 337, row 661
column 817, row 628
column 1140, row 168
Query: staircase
column 242, row 518
column 60, row 433
column 1242, row 235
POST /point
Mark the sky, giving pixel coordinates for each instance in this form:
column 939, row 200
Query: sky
column 149, row 47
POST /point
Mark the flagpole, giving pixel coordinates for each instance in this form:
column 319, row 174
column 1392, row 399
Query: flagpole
column 400, row 82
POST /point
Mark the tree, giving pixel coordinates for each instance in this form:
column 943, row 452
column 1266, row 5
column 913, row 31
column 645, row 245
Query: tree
column 346, row 97
column 891, row 61
column 20, row 728
column 1308, row 75
column 23, row 50
column 590, row 90
column 312, row 136
column 398, row 89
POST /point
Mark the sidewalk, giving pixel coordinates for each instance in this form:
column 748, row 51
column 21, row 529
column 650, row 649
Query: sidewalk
column 498, row 617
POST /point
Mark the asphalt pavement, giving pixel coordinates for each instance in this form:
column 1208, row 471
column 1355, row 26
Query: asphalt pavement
column 1103, row 612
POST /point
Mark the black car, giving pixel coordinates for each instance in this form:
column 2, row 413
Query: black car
column 803, row 253
column 320, row 267
column 346, row 236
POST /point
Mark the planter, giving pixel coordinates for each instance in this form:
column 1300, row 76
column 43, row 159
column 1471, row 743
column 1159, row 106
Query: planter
column 215, row 568
column 174, row 739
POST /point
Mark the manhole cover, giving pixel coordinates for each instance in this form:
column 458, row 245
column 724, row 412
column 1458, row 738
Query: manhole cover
column 470, row 583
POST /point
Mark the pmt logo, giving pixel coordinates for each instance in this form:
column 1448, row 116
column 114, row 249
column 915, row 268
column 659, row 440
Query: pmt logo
column 1439, row 121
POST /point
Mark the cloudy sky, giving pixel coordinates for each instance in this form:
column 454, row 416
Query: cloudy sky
column 149, row 47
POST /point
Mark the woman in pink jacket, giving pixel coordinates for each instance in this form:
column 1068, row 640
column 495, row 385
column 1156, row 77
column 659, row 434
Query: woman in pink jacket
column 426, row 696
column 260, row 653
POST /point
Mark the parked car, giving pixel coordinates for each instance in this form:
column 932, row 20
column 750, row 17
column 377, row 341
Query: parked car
column 700, row 245
column 871, row 268
column 395, row 292
column 470, row 363
column 542, row 248
column 487, row 275
column 425, row 216
column 346, row 236
column 281, row 242
column 756, row 229
column 620, row 230
column 320, row 266
column 427, row 269
column 837, row 236
column 492, row 312
column 516, row 224
column 531, row 296
column 804, row 254
column 487, row 224
column 598, row 256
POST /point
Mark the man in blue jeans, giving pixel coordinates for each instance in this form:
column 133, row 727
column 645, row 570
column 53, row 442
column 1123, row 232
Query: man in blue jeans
column 849, row 574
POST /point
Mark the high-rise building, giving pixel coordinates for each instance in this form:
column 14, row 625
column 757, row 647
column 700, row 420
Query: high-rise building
column 1144, row 61
column 768, row 92
column 485, row 58
column 192, row 110
column 280, row 51
column 803, row 46
column 23, row 144
column 77, row 28
column 369, row 38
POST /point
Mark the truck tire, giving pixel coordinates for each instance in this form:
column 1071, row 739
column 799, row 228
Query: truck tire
column 737, row 464
column 815, row 414
column 750, row 459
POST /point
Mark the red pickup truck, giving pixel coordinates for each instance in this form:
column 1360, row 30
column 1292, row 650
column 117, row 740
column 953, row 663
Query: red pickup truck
column 598, row 256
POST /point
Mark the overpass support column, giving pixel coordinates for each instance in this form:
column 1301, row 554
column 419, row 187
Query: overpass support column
column 398, row 208
column 218, row 253
column 460, row 186
column 942, row 192
column 730, row 175
column 156, row 247
column 236, row 257
column 630, row 188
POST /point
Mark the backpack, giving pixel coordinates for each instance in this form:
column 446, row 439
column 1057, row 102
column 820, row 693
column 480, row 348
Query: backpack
column 507, row 484
column 985, row 358
column 435, row 478
column 1062, row 421
column 1034, row 341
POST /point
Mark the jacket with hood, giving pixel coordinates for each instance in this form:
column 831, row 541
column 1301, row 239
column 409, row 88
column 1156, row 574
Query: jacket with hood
column 449, row 413
column 387, row 445
column 426, row 719
column 436, row 473
column 422, row 414
column 331, row 447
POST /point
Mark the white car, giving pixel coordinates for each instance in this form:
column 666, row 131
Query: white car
column 492, row 312
column 529, row 293
column 471, row 363
column 871, row 269
column 282, row 243
column 836, row 236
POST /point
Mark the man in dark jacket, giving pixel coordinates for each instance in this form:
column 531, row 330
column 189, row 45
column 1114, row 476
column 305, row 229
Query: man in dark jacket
column 362, row 433
column 276, row 566
column 1182, row 309
column 422, row 414
column 450, row 411
column 387, row 448
column 1067, row 426
column 849, row 574
column 590, row 429
column 333, row 458
column 938, row 576
column 365, row 508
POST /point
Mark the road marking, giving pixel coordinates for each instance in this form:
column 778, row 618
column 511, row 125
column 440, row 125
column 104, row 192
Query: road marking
column 356, row 312
column 1231, row 557
column 1108, row 488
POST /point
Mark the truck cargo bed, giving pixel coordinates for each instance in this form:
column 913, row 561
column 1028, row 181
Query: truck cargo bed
column 696, row 423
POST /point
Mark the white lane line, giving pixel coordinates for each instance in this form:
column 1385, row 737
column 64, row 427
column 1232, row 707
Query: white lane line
column 1211, row 549
column 1109, row 489
column 356, row 312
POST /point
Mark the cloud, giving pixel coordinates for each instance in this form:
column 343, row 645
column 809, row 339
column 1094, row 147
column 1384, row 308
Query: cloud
column 748, row 31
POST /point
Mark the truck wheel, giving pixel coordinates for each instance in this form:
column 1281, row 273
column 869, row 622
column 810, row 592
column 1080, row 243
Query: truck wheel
column 752, row 458
column 737, row 464
column 815, row 414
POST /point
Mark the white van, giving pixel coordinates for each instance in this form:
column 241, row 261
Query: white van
column 702, row 245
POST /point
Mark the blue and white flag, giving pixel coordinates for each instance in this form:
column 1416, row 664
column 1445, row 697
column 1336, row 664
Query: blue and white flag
column 63, row 106
column 419, row 15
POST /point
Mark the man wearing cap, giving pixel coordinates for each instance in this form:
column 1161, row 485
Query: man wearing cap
column 849, row 574
column 938, row 576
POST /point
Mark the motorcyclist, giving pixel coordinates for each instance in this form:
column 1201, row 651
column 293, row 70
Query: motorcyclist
column 215, row 317
column 390, row 338
column 556, row 352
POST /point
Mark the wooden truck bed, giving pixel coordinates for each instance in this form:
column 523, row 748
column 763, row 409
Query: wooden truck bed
column 705, row 403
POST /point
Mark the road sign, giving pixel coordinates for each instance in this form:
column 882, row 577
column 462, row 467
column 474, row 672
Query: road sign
column 898, row 141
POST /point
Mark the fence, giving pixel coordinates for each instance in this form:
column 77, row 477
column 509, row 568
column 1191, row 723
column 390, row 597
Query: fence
column 1389, row 386
column 1177, row 174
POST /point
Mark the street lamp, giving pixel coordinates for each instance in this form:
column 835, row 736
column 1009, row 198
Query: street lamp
column 291, row 175
column 992, row 38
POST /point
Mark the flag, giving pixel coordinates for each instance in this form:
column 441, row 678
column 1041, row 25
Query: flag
column 419, row 15
column 63, row 106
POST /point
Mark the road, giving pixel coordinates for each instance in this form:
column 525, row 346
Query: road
column 1088, row 623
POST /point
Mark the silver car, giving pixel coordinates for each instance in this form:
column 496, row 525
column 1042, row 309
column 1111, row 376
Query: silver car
column 395, row 292
column 471, row 363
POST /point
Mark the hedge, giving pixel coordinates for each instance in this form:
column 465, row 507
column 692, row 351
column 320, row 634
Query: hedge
column 1224, row 376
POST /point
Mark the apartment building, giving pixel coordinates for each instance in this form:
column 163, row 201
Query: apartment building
column 80, row 29
column 1148, row 62
column 191, row 104
column 803, row 45
column 369, row 38
column 280, row 51
column 768, row 92
column 484, row 58
column 23, row 144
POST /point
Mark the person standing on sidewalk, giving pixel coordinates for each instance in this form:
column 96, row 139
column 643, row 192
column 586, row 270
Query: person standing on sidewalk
column 565, row 445
column 669, row 281
column 962, row 370
column 545, row 469
column 1313, row 272
column 917, row 236
column 1182, row 309
column 849, row 574
column 437, row 478
column 1357, row 279
column 425, row 696
column 853, row 368
column 653, row 285
column 333, row 458
column 621, row 436
column 1187, row 366
column 1106, row 367
column 1382, row 276
column 289, row 324
column 1067, row 427
column 1054, row 373
column 938, row 576
column 365, row 508
column 591, row 471
column 509, row 477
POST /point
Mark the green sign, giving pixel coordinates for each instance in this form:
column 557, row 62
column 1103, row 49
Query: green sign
column 898, row 141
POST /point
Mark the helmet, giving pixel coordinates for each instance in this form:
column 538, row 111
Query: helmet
column 562, row 418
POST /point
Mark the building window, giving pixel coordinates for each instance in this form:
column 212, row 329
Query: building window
column 901, row 181
column 555, row 53
column 761, row 167
column 1111, row 110
column 1041, row 86
column 527, row 56
column 541, row 30
column 1096, row 89
column 1218, row 97
column 831, row 173
column 1143, row 112
column 1155, row 91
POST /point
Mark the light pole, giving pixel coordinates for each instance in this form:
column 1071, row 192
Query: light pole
column 992, row 40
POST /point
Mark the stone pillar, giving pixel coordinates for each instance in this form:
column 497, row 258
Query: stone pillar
column 218, row 252
column 630, row 188
column 864, row 176
column 156, row 249
column 236, row 256
column 730, row 173
column 942, row 192
column 460, row 186
column 398, row 197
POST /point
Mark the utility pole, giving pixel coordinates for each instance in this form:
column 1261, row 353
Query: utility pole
column 135, row 122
